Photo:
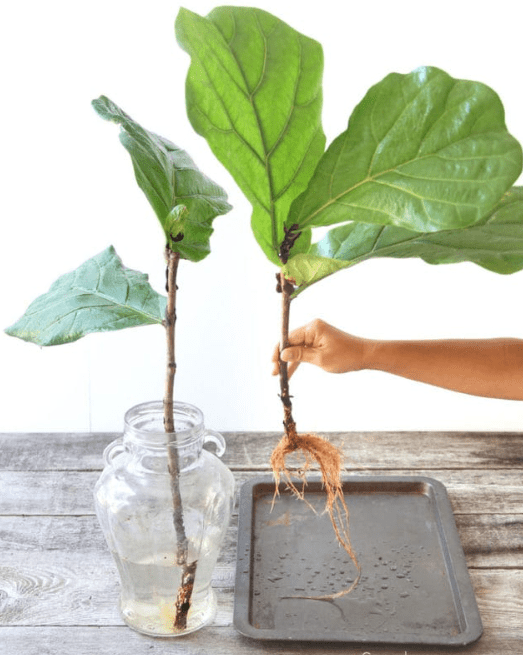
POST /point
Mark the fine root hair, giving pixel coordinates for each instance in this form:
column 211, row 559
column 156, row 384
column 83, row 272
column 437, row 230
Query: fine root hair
column 317, row 451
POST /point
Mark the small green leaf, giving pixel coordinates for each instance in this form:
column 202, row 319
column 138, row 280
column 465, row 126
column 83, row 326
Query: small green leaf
column 422, row 151
column 169, row 178
column 175, row 222
column 304, row 269
column 99, row 296
column 495, row 243
column 254, row 92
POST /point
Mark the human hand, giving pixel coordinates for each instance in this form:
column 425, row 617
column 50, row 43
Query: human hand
column 323, row 345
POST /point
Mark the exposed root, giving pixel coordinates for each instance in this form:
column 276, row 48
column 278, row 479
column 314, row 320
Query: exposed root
column 318, row 450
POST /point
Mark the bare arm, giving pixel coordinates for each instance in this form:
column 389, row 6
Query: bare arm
column 486, row 367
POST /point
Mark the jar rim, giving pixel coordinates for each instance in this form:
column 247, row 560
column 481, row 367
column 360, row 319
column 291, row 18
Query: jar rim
column 184, row 411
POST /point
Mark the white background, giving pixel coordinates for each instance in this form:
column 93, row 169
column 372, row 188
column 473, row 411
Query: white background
column 68, row 191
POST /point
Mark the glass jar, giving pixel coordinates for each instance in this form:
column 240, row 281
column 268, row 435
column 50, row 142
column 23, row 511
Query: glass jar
column 135, row 507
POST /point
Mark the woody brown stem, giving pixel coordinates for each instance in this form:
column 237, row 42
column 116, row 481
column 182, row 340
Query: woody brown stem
column 288, row 422
column 183, row 600
column 173, row 260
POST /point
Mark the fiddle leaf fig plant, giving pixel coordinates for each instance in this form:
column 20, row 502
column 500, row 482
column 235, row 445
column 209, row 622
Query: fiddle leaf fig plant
column 102, row 294
column 424, row 169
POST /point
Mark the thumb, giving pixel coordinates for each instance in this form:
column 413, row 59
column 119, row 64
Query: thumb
column 298, row 354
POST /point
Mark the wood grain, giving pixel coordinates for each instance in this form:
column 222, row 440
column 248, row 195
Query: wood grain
column 211, row 640
column 490, row 541
column 71, row 492
column 251, row 451
column 75, row 590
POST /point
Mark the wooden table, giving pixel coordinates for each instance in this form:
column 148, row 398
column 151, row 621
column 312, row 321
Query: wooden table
column 59, row 586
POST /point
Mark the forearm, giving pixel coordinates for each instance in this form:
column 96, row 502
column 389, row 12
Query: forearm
column 490, row 367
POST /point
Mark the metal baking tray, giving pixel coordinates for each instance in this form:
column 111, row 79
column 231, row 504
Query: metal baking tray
column 414, row 586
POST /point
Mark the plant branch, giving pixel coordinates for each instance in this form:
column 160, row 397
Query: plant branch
column 286, row 288
column 289, row 425
column 173, row 259
column 183, row 600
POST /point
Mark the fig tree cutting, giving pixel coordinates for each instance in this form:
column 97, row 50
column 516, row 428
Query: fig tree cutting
column 102, row 294
column 425, row 169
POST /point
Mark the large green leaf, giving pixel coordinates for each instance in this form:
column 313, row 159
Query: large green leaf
column 495, row 243
column 98, row 296
column 422, row 151
column 183, row 198
column 254, row 92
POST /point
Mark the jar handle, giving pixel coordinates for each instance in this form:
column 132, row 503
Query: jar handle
column 115, row 448
column 217, row 439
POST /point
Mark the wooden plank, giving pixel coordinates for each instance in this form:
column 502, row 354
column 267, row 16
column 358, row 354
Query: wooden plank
column 489, row 541
column 499, row 595
column 492, row 541
column 58, row 570
column 71, row 492
column 60, row 595
column 53, row 451
column 363, row 450
column 61, row 536
column 75, row 590
column 71, row 588
column 215, row 640
column 395, row 450
column 47, row 492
